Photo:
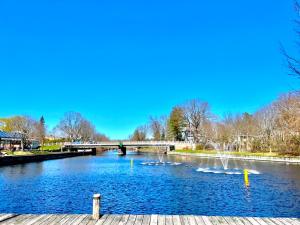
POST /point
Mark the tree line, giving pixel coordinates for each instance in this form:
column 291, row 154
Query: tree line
column 273, row 128
column 72, row 127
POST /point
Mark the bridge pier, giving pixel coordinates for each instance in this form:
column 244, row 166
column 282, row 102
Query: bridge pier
column 123, row 150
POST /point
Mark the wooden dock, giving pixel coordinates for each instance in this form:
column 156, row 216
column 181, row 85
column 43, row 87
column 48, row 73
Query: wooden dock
column 85, row 219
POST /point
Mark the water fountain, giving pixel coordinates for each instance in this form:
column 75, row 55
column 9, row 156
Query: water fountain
column 160, row 161
column 160, row 156
column 223, row 154
column 221, row 163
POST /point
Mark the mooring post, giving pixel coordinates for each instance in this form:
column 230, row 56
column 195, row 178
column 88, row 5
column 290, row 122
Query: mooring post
column 96, row 206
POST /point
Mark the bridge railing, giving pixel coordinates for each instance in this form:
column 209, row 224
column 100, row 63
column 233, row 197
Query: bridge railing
column 130, row 143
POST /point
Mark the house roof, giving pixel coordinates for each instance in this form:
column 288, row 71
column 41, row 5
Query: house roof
column 10, row 136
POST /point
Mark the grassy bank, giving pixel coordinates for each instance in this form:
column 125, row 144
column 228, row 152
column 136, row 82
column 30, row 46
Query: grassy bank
column 213, row 152
column 24, row 153
column 42, row 151
column 50, row 148
column 149, row 149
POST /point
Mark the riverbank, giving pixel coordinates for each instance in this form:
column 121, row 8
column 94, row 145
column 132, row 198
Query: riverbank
column 20, row 159
column 253, row 157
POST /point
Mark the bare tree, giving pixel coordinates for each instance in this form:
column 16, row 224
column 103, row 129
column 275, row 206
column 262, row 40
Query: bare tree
column 266, row 123
column 288, row 119
column 101, row 137
column 75, row 127
column 87, row 130
column 196, row 115
column 70, row 125
column 158, row 127
column 140, row 134
column 293, row 62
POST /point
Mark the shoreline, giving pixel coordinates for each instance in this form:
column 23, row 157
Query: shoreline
column 14, row 160
column 293, row 160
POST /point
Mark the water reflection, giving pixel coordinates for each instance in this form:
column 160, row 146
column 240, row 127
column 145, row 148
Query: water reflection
column 21, row 171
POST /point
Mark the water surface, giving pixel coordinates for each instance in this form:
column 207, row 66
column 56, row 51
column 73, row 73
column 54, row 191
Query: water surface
column 67, row 186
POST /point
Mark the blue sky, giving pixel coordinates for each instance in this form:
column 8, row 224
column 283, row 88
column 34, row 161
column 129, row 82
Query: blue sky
column 118, row 62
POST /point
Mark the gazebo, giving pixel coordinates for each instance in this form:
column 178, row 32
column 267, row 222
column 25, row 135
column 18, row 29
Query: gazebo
column 9, row 140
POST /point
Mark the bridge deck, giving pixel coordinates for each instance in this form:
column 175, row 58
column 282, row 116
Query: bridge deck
column 84, row 219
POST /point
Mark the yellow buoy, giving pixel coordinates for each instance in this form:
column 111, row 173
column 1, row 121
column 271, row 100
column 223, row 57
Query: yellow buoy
column 246, row 177
column 131, row 163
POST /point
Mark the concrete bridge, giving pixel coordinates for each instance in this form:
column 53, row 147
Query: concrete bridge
column 122, row 146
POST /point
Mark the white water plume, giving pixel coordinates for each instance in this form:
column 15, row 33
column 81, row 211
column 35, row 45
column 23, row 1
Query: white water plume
column 223, row 156
column 160, row 156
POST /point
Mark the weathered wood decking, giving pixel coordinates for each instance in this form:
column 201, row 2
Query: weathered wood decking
column 84, row 219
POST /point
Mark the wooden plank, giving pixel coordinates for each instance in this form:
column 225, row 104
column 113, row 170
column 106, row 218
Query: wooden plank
column 25, row 219
column 244, row 220
column 50, row 219
column 283, row 222
column 169, row 220
column 71, row 219
column 131, row 220
column 5, row 221
column 274, row 220
column 139, row 220
column 101, row 220
column 78, row 219
column 116, row 220
column 231, row 221
column 154, row 219
column 268, row 221
column 199, row 220
column 184, row 220
column 161, row 220
column 32, row 219
column 212, row 220
column 295, row 222
column 286, row 221
column 66, row 218
column 147, row 219
column 6, row 216
column 57, row 219
column 218, row 220
column 237, row 220
column 250, row 220
column 44, row 218
column 109, row 219
column 47, row 220
column 86, row 220
column 92, row 221
column 206, row 220
column 176, row 220
column 259, row 220
column 192, row 220
column 16, row 220
column 124, row 220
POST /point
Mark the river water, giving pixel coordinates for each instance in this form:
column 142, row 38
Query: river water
column 180, row 185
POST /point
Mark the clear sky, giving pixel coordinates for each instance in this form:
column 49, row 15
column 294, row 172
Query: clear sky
column 118, row 62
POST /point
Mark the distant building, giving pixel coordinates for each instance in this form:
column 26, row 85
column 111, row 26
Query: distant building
column 10, row 140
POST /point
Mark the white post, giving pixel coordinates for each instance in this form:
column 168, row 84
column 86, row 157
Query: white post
column 96, row 206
